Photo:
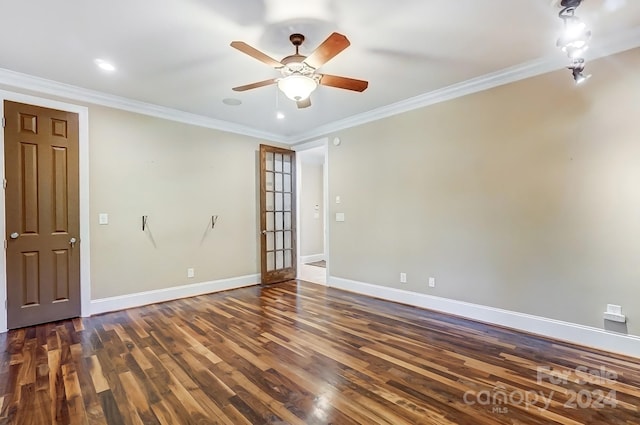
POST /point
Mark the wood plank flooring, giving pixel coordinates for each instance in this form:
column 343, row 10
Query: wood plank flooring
column 297, row 353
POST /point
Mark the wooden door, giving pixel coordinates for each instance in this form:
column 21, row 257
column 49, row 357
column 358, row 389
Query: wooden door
column 277, row 214
column 42, row 214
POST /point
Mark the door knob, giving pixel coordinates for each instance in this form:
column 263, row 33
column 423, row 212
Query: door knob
column 14, row 235
column 72, row 242
column 264, row 232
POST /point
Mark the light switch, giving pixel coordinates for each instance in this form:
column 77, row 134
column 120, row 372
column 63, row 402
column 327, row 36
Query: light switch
column 339, row 216
column 337, row 200
column 103, row 218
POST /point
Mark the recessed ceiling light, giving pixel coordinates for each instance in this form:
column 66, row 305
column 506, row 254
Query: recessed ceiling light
column 104, row 65
column 231, row 101
column 280, row 115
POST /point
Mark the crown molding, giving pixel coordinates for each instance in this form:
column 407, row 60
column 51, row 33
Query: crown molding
column 453, row 91
column 612, row 45
column 67, row 91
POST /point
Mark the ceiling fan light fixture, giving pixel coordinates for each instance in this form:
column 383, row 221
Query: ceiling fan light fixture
column 297, row 87
column 299, row 78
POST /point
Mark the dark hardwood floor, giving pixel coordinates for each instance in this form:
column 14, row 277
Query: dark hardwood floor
column 299, row 353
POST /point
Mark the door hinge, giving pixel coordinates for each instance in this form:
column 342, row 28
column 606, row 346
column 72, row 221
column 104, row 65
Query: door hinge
column 4, row 183
column 5, row 245
column 4, row 122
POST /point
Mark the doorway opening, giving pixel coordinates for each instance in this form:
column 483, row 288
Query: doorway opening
column 312, row 199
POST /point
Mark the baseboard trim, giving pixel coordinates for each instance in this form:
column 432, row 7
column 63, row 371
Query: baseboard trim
column 574, row 333
column 311, row 258
column 121, row 302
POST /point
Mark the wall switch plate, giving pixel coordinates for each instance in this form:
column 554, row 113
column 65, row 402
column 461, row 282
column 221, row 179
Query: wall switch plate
column 338, row 199
column 190, row 272
column 339, row 216
column 432, row 282
column 103, row 218
column 403, row 278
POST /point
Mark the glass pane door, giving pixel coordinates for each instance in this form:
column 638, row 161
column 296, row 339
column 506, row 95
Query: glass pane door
column 277, row 214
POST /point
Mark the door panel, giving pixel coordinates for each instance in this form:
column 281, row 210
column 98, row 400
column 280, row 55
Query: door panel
column 60, row 190
column 29, row 179
column 42, row 214
column 30, row 285
column 61, row 275
column 277, row 214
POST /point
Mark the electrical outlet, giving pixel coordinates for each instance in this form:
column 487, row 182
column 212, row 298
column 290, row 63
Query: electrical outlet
column 614, row 313
column 190, row 272
column 432, row 282
column 403, row 278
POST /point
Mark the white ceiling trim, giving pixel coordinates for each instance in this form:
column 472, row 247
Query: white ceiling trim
column 54, row 88
column 613, row 45
column 616, row 44
column 485, row 82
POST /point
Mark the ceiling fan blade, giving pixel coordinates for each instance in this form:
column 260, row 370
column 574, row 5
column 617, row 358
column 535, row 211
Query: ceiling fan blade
column 255, row 53
column 344, row 83
column 255, row 85
column 305, row 103
column 329, row 48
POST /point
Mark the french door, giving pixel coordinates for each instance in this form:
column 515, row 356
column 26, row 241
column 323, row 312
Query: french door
column 277, row 214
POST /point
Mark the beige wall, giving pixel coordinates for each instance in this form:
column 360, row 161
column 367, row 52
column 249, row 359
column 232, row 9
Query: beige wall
column 179, row 175
column 311, row 220
column 524, row 197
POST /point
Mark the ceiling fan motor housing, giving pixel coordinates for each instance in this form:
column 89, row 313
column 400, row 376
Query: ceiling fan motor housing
column 294, row 64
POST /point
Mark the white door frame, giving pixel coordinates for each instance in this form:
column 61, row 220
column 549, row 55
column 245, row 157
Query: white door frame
column 83, row 141
column 324, row 142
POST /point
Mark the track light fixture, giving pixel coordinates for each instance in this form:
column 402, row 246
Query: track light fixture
column 574, row 41
column 577, row 68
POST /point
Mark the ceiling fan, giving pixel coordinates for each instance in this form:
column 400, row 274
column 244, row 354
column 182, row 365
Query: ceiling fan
column 299, row 77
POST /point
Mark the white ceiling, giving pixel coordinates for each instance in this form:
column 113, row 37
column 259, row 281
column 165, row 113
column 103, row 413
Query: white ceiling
column 175, row 54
